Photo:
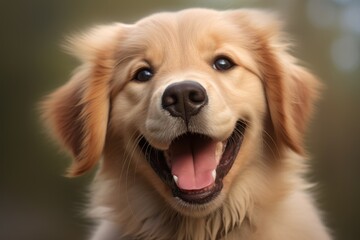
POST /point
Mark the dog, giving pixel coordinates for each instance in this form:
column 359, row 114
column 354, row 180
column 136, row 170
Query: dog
column 197, row 120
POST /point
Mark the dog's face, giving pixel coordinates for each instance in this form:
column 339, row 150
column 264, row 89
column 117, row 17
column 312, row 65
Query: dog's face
column 185, row 100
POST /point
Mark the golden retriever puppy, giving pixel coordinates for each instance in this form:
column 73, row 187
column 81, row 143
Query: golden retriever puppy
column 197, row 118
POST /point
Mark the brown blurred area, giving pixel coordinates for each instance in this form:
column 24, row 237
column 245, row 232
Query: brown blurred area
column 38, row 203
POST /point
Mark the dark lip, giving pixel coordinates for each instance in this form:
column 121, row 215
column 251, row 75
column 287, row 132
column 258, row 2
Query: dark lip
column 158, row 162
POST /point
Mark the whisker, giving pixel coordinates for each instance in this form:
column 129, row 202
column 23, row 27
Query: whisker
column 274, row 143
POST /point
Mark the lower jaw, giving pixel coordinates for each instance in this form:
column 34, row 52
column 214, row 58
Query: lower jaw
column 201, row 196
column 188, row 209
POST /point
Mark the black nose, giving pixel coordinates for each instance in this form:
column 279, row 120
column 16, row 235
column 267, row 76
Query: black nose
column 184, row 99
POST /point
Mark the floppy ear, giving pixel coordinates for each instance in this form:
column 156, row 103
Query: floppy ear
column 291, row 97
column 290, row 89
column 77, row 113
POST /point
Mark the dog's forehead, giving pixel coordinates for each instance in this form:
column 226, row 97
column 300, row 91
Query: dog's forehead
column 186, row 20
column 179, row 33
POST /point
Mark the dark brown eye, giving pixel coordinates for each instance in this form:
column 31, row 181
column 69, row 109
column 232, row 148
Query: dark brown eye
column 223, row 64
column 143, row 75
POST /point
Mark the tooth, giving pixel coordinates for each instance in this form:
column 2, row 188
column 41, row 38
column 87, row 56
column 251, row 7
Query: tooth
column 213, row 174
column 219, row 151
column 175, row 179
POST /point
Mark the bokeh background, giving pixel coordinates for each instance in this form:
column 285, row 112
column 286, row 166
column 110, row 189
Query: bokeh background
column 38, row 203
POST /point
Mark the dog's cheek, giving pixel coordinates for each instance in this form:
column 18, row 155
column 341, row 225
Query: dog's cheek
column 128, row 107
column 245, row 96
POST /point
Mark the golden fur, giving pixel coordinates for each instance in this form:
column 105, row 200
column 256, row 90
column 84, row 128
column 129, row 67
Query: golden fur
column 101, row 114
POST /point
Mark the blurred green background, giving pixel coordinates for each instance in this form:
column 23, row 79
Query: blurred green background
column 37, row 203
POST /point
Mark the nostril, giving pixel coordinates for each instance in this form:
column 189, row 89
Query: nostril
column 197, row 96
column 169, row 100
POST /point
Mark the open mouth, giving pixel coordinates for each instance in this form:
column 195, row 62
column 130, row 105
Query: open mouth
column 195, row 165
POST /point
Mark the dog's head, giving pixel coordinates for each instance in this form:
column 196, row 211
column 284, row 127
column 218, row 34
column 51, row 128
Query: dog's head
column 186, row 100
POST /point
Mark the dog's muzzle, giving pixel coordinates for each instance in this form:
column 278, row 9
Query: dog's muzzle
column 194, row 164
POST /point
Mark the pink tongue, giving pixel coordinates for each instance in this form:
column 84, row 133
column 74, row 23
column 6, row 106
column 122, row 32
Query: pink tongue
column 192, row 161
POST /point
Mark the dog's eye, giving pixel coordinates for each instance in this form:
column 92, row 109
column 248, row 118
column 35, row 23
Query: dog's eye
column 223, row 64
column 143, row 75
